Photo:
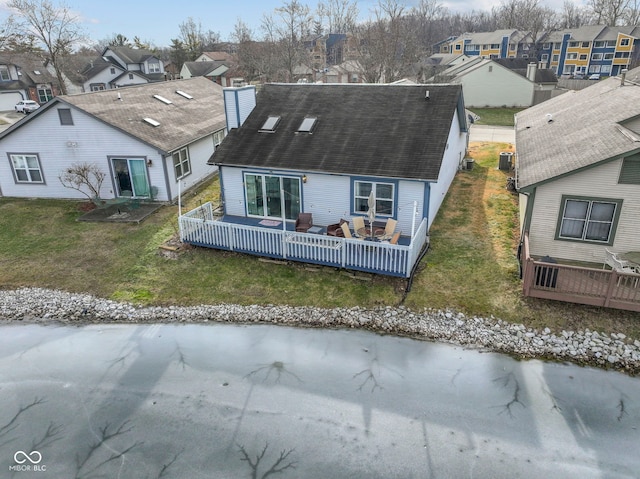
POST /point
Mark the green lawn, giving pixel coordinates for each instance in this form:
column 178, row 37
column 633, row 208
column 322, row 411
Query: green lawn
column 470, row 267
column 496, row 116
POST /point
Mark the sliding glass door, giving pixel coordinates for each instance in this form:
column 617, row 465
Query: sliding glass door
column 268, row 196
column 131, row 177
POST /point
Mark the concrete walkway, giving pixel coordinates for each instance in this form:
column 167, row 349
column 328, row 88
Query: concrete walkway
column 499, row 134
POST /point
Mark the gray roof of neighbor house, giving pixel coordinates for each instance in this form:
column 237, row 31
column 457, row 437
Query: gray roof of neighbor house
column 203, row 68
column 32, row 70
column 520, row 65
column 180, row 123
column 131, row 55
column 578, row 129
column 361, row 129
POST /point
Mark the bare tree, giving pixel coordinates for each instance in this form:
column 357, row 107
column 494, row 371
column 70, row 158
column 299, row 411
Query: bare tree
column 191, row 38
column 388, row 45
column 285, row 31
column 571, row 16
column 632, row 14
column 82, row 177
column 252, row 56
column 56, row 27
column 608, row 12
column 338, row 16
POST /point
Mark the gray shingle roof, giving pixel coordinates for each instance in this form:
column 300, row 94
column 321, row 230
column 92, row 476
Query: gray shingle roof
column 181, row 122
column 362, row 129
column 585, row 130
column 202, row 68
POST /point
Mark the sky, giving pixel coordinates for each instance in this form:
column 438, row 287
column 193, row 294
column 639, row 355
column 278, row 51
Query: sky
column 157, row 22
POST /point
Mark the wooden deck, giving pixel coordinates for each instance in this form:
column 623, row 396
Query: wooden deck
column 576, row 284
column 199, row 227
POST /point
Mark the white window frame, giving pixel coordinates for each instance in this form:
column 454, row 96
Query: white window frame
column 154, row 67
column 596, row 56
column 181, row 163
column 624, row 42
column 29, row 170
column 544, row 57
column 608, row 56
column 363, row 200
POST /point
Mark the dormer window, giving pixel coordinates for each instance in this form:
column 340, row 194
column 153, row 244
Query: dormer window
column 307, row 125
column 270, row 125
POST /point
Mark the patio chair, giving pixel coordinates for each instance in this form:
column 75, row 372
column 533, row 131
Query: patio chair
column 394, row 238
column 358, row 224
column 304, row 222
column 389, row 229
column 346, row 232
column 336, row 228
column 619, row 265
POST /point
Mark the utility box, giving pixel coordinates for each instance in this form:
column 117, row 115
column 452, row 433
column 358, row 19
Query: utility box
column 468, row 163
column 506, row 161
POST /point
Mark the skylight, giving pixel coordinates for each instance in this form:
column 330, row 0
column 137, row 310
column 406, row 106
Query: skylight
column 307, row 125
column 163, row 99
column 184, row 94
column 151, row 122
column 271, row 124
column 37, row 72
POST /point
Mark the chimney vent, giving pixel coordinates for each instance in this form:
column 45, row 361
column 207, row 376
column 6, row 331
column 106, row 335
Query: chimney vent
column 549, row 118
column 623, row 76
column 426, row 95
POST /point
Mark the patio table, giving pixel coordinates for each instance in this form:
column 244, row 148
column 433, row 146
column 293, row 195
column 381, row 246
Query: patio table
column 366, row 232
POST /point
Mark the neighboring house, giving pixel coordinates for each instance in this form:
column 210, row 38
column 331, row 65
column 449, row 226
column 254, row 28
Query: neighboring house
column 323, row 149
column 145, row 139
column 576, row 51
column 223, row 57
column 578, row 175
column 500, row 83
column 497, row 44
column 25, row 77
column 212, row 70
column 590, row 49
column 119, row 67
column 346, row 72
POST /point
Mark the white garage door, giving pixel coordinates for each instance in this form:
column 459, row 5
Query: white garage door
column 8, row 100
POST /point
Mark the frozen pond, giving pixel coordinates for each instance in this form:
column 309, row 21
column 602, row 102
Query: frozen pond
column 227, row 401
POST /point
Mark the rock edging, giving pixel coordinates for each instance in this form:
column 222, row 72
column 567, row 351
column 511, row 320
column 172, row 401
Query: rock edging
column 614, row 351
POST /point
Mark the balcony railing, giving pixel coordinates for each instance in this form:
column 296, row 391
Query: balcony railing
column 199, row 227
column 576, row 284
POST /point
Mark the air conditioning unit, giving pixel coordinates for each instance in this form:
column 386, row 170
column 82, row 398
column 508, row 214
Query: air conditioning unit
column 506, row 161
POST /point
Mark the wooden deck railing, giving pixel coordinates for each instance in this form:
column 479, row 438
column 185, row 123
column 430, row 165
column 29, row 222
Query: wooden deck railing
column 198, row 227
column 575, row 284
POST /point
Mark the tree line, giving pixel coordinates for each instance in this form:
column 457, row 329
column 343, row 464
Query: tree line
column 388, row 44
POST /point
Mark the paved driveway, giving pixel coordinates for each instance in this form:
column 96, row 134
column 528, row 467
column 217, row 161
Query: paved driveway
column 500, row 134
column 8, row 118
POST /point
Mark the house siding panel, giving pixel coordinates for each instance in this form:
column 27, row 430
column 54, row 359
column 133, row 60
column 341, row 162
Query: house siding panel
column 457, row 146
column 602, row 178
column 91, row 137
column 496, row 88
column 199, row 153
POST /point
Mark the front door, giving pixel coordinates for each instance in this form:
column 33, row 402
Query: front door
column 131, row 177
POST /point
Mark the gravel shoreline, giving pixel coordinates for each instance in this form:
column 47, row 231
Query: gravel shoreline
column 614, row 351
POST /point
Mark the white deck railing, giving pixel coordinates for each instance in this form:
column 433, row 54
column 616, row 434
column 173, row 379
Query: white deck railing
column 199, row 227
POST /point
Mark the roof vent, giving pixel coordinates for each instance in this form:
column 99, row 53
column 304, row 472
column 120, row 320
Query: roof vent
column 151, row 122
column 163, row 99
column 426, row 95
column 549, row 118
column 184, row 94
column 623, row 76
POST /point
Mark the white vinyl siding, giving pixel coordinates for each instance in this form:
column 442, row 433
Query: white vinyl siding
column 59, row 146
column 498, row 88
